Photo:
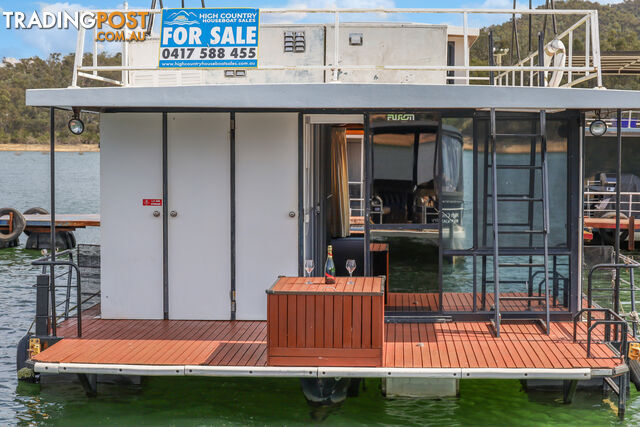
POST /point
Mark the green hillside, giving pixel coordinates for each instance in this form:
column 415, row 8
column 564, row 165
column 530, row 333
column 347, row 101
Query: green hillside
column 619, row 31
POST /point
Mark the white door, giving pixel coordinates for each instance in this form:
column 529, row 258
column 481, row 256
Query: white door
column 131, row 236
column 266, row 192
column 199, row 233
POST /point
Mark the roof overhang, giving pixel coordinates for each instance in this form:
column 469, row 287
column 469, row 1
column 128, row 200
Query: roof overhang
column 341, row 96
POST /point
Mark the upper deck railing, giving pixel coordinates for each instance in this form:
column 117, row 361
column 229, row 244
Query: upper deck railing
column 555, row 69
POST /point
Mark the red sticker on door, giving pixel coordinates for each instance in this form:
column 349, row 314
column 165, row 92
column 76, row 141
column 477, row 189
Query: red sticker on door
column 151, row 202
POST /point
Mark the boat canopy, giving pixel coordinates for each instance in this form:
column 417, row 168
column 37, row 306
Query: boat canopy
column 342, row 96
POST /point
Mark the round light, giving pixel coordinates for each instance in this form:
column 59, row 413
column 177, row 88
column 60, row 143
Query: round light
column 76, row 126
column 598, row 128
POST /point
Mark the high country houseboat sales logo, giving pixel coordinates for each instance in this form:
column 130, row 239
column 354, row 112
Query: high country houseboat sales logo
column 112, row 26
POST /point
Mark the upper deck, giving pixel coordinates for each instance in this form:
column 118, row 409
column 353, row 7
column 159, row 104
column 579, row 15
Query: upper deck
column 384, row 49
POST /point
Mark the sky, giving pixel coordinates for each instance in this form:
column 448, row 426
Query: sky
column 23, row 43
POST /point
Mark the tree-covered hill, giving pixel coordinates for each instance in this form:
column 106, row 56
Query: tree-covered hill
column 619, row 31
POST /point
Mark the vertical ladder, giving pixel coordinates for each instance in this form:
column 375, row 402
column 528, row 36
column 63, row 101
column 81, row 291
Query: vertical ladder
column 497, row 226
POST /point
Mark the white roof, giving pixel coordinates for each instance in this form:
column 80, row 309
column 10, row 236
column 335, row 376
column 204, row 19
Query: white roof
column 332, row 96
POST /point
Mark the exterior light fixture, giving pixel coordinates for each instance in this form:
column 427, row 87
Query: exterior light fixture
column 598, row 127
column 76, row 126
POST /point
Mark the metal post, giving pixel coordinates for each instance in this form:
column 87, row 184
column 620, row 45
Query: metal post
column 541, row 81
column 368, row 180
column 616, row 302
column 570, row 59
column 596, row 48
column 494, row 192
column 492, row 80
column 465, row 29
column 52, row 170
column 336, row 41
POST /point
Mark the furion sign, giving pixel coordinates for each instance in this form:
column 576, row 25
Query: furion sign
column 209, row 38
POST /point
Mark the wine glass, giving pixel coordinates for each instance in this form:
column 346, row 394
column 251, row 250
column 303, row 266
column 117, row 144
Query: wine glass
column 308, row 266
column 351, row 267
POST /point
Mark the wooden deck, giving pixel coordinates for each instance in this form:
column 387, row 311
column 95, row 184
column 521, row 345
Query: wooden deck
column 244, row 343
column 460, row 301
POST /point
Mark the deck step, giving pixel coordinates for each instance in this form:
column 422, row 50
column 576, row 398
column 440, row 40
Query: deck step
column 522, row 298
column 417, row 319
column 521, row 231
column 515, row 167
column 517, row 264
column 523, row 135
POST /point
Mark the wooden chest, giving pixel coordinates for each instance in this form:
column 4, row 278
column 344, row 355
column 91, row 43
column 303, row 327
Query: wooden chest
column 325, row 325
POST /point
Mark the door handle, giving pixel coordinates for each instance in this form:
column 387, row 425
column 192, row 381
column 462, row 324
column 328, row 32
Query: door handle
column 292, row 214
column 156, row 213
column 173, row 214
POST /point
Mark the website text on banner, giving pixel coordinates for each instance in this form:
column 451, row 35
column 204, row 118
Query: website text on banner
column 209, row 38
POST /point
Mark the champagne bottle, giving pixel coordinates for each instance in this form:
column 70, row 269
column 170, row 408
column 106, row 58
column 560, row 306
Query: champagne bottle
column 329, row 267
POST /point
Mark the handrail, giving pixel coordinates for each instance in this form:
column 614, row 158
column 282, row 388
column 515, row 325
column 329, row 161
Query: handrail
column 588, row 17
column 45, row 261
column 607, row 322
column 616, row 290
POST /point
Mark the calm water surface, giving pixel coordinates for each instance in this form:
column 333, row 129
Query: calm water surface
column 191, row 401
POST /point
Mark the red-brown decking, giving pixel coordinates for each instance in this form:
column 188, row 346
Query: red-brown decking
column 461, row 301
column 243, row 343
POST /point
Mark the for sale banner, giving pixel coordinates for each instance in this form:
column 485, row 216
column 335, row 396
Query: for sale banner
column 209, row 38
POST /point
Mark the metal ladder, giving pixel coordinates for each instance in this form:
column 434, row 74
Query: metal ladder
column 498, row 227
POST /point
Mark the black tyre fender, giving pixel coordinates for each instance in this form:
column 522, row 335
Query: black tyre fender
column 18, row 224
column 35, row 211
column 22, row 352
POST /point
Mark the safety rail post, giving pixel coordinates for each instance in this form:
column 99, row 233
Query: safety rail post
column 492, row 80
column 336, row 42
column 570, row 59
column 465, row 29
column 587, row 43
column 541, row 80
column 77, row 61
column 595, row 34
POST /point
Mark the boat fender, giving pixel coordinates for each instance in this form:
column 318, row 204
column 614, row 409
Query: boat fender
column 18, row 225
column 35, row 211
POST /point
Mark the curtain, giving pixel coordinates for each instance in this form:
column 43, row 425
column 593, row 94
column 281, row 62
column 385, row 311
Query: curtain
column 339, row 188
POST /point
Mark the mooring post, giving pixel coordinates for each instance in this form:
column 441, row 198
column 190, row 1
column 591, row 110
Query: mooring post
column 569, row 388
column 623, row 385
column 89, row 383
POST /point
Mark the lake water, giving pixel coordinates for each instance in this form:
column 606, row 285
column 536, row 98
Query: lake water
column 24, row 182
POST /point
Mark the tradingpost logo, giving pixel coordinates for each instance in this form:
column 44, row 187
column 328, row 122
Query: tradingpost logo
column 114, row 26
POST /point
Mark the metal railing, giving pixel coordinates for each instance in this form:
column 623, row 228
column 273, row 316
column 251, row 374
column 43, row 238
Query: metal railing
column 610, row 318
column 590, row 70
column 528, row 76
column 591, row 198
column 45, row 262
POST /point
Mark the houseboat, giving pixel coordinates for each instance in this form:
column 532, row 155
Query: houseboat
column 219, row 185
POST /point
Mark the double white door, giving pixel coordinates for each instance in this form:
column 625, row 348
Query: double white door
column 199, row 249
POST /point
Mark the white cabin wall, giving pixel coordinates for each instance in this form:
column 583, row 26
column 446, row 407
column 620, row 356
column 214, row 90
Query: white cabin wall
column 131, row 237
column 266, row 192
